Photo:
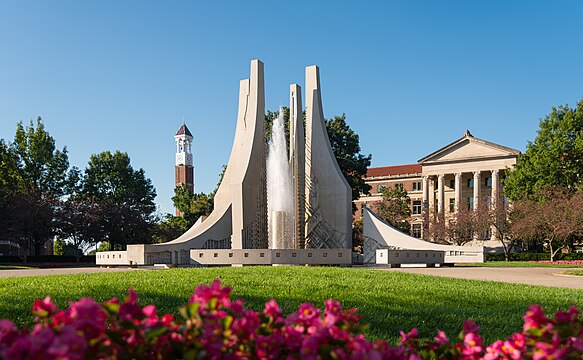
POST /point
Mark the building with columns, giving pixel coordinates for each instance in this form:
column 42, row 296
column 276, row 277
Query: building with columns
column 460, row 174
column 184, row 169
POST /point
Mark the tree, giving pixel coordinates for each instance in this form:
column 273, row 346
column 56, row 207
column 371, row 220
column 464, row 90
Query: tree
column 39, row 176
column 121, row 198
column 554, row 159
column 552, row 215
column 191, row 205
column 358, row 236
column 394, row 208
column 346, row 147
column 170, row 228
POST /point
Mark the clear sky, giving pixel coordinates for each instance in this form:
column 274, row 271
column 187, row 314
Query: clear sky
column 411, row 76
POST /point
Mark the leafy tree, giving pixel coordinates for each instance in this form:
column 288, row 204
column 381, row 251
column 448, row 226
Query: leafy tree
column 191, row 205
column 120, row 198
column 394, row 208
column 170, row 228
column 358, row 236
column 552, row 215
column 554, row 159
column 35, row 176
column 346, row 147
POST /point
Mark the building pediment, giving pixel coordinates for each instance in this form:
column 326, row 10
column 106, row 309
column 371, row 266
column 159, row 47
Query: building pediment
column 468, row 148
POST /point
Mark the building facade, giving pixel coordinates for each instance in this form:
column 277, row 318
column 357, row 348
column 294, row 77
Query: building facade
column 184, row 169
column 460, row 174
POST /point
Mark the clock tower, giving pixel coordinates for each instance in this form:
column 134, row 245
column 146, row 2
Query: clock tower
column 184, row 169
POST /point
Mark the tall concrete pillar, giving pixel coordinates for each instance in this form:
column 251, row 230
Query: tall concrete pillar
column 458, row 191
column 328, row 195
column 297, row 154
column 425, row 204
column 495, row 187
column 440, row 194
column 477, row 187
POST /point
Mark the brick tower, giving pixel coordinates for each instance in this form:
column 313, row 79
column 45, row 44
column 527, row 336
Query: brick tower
column 184, row 170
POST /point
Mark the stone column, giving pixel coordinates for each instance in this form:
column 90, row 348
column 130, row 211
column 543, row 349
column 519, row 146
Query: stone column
column 495, row 187
column 477, row 179
column 425, row 205
column 440, row 194
column 458, row 191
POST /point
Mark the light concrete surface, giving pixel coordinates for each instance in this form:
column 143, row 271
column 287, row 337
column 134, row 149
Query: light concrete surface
column 530, row 276
column 61, row 271
column 380, row 235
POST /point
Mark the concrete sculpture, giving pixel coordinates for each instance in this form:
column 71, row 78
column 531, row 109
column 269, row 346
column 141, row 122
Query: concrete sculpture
column 378, row 235
column 238, row 224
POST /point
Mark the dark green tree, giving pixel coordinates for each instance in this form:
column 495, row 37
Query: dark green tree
column 38, row 176
column 191, row 205
column 554, row 159
column 346, row 146
column 170, row 228
column 120, row 199
column 394, row 208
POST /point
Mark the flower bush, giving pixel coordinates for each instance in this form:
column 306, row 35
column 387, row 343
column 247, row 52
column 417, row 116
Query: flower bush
column 212, row 326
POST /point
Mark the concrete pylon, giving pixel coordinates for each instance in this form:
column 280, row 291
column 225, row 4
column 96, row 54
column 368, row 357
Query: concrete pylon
column 239, row 218
column 297, row 155
column 328, row 195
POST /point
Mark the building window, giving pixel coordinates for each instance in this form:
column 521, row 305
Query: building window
column 277, row 254
column 417, row 186
column 246, row 254
column 381, row 188
column 471, row 183
column 470, row 203
column 416, row 230
column 261, row 254
column 452, row 205
column 488, row 181
column 452, row 183
column 310, row 254
column 325, row 255
column 416, row 207
column 230, row 254
column 216, row 255
column 294, row 255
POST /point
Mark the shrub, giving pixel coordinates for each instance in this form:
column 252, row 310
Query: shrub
column 534, row 256
column 212, row 326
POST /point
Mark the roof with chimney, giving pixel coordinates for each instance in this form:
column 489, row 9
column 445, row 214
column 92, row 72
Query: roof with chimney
column 183, row 130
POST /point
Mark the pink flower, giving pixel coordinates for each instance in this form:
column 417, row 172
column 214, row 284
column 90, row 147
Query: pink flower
column 441, row 338
column 273, row 310
column 534, row 318
column 43, row 308
column 567, row 317
column 68, row 345
column 470, row 327
column 268, row 347
column 332, row 312
column 494, row 351
column 308, row 315
column 203, row 294
column 472, row 344
column 408, row 337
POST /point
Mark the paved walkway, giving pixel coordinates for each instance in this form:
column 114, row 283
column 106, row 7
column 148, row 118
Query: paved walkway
column 59, row 271
column 529, row 276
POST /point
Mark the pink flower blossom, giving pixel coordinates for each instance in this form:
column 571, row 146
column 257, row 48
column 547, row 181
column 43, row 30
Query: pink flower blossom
column 534, row 318
column 441, row 338
column 43, row 308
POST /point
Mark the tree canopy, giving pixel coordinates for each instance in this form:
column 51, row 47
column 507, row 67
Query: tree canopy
column 394, row 208
column 554, row 159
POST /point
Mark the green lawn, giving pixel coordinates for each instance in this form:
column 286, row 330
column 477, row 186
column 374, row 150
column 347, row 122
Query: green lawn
column 574, row 272
column 389, row 301
column 519, row 264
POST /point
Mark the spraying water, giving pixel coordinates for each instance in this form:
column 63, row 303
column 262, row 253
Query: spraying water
column 280, row 204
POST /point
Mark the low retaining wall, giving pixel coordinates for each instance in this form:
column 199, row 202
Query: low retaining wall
column 112, row 258
column 398, row 257
column 271, row 257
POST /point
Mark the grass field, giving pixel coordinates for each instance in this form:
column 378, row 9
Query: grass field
column 14, row 267
column 574, row 272
column 389, row 301
column 519, row 264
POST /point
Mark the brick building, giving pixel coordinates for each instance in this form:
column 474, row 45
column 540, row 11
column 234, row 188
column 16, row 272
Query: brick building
column 461, row 173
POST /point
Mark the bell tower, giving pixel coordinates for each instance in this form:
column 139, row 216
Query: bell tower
column 184, row 169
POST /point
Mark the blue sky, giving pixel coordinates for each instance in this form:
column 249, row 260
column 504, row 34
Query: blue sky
column 411, row 76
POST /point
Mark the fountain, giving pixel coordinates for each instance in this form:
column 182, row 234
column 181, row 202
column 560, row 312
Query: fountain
column 280, row 204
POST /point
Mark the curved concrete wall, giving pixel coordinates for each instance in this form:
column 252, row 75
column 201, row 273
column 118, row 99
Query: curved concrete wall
column 379, row 234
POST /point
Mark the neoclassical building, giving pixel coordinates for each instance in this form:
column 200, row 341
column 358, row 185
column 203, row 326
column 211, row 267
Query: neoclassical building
column 460, row 174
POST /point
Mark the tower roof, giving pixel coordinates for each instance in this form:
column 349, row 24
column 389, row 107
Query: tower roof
column 183, row 131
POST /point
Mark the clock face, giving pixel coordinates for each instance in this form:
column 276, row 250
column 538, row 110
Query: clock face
column 188, row 159
column 179, row 158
